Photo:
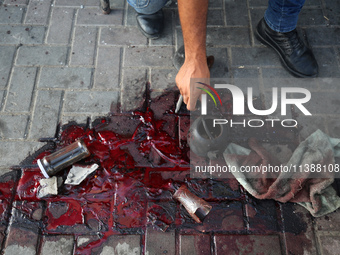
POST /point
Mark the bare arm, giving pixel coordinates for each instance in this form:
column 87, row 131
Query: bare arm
column 193, row 16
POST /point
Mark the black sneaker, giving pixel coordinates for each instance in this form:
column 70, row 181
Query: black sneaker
column 296, row 57
column 151, row 25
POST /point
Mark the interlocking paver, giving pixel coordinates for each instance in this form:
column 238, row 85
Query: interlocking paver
column 125, row 36
column 84, row 46
column 60, row 26
column 41, row 55
column 93, row 16
column 121, row 244
column 46, row 113
column 11, row 14
column 21, row 89
column 65, row 77
column 76, row 3
column 6, row 57
column 38, row 12
column 107, row 68
column 195, row 245
column 89, row 102
column 330, row 244
column 21, row 35
column 149, row 56
column 15, row 2
column 62, row 245
column 160, row 243
column 163, row 79
column 13, row 126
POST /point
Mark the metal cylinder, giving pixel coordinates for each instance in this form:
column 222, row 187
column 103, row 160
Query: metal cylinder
column 57, row 161
column 196, row 206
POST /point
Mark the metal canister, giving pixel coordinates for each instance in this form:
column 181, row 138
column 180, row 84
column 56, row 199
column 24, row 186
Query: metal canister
column 57, row 161
column 195, row 206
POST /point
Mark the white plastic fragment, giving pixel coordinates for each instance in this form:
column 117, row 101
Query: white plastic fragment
column 78, row 173
column 48, row 187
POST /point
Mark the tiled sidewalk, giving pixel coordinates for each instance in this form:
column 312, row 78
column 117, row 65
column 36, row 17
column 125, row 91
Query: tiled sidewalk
column 63, row 60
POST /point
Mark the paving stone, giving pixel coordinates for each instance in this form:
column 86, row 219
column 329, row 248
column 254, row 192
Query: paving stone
column 131, row 16
column 160, row 242
column 85, row 240
column 298, row 230
column 121, row 244
column 38, row 12
column 236, row 12
column 22, row 35
column 254, row 57
column 195, row 245
column 79, row 119
column 328, row 66
column 220, row 67
column 13, row 126
column 225, row 189
column 21, row 89
column 6, row 57
column 257, row 3
column 125, row 36
column 247, row 244
column 279, row 77
column 331, row 8
column 323, row 36
column 166, row 38
column 76, row 3
column 311, row 17
column 163, row 79
column 95, row 17
column 60, row 244
column 262, row 216
column 8, row 149
column 133, row 89
column 330, row 244
column 107, row 69
column 148, row 56
column 328, row 222
column 65, row 77
column 41, row 55
column 333, row 125
column 23, row 234
column 214, row 3
column 45, row 115
column 15, row 2
column 60, row 26
column 84, row 46
column 90, row 102
column 11, row 15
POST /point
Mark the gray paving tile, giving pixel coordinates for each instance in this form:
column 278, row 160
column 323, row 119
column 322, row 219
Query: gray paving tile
column 65, row 77
column 163, row 79
column 15, row 2
column 62, row 245
column 46, row 113
column 160, row 242
column 94, row 16
column 6, row 57
column 38, row 12
column 108, row 67
column 21, row 88
column 134, row 81
column 167, row 36
column 254, row 57
column 13, row 126
column 12, row 153
column 124, row 36
column 236, row 12
column 77, row 3
column 121, row 244
column 41, row 55
column 11, row 14
column 148, row 56
column 84, row 46
column 327, row 60
column 90, row 102
column 220, row 67
column 21, row 35
column 60, row 26
column 311, row 17
column 323, row 36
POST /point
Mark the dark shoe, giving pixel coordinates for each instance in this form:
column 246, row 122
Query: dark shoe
column 151, row 25
column 296, row 57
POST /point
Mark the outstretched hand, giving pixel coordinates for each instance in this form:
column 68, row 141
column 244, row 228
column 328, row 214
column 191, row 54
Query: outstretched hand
column 192, row 69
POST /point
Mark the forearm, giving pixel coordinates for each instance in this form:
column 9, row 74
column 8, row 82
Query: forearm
column 193, row 16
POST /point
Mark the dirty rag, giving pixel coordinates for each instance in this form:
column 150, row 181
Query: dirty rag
column 314, row 192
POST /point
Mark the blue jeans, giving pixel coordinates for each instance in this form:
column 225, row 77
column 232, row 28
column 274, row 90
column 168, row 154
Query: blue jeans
column 147, row 6
column 282, row 15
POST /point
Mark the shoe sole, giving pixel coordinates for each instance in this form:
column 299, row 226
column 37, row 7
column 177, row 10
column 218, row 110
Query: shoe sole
column 265, row 42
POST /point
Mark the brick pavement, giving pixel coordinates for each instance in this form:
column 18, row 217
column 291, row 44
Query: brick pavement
column 62, row 61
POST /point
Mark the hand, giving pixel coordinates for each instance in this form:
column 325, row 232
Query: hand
column 192, row 69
